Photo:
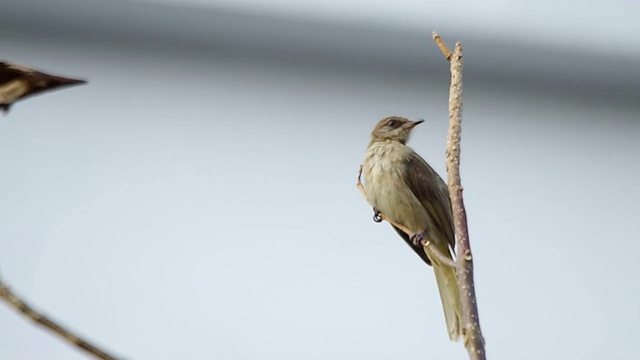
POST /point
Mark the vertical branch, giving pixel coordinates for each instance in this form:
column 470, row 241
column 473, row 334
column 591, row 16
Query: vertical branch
column 473, row 340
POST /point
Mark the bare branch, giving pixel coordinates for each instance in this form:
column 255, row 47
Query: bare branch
column 473, row 339
column 19, row 305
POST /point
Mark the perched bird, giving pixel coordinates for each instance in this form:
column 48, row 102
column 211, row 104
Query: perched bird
column 17, row 82
column 401, row 186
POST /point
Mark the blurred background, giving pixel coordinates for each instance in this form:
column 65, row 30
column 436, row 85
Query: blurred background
column 197, row 199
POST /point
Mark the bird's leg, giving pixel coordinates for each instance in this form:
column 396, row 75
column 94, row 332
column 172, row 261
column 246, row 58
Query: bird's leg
column 377, row 216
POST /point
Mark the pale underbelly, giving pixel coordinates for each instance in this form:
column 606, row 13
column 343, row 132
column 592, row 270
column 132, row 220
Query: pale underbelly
column 387, row 192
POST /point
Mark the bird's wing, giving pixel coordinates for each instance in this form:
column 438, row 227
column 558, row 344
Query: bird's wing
column 430, row 189
column 9, row 71
column 17, row 82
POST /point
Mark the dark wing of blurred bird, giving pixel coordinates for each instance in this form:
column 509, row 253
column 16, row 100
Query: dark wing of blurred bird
column 18, row 82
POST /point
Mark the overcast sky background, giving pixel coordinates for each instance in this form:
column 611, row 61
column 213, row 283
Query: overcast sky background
column 197, row 198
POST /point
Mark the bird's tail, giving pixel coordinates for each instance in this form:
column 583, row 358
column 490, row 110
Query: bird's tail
column 447, row 281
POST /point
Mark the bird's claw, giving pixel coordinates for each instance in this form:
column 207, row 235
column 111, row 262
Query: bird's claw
column 417, row 238
column 377, row 217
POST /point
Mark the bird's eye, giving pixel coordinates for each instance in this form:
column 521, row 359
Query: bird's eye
column 392, row 123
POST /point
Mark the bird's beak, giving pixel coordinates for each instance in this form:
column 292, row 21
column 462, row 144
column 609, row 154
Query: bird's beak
column 412, row 124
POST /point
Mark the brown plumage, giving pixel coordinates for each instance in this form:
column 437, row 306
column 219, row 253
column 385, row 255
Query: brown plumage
column 404, row 188
column 18, row 82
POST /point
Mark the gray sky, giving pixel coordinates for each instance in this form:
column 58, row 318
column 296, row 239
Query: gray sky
column 202, row 205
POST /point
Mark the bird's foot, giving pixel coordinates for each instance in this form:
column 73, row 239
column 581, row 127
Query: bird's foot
column 377, row 216
column 418, row 237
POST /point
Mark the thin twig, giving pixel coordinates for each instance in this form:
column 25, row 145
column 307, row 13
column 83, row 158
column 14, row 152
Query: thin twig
column 443, row 47
column 438, row 255
column 435, row 252
column 360, row 186
column 18, row 304
column 473, row 340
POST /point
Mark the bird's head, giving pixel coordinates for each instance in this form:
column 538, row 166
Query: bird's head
column 393, row 128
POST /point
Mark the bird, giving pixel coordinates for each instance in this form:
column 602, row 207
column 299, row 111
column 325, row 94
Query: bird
column 18, row 82
column 401, row 186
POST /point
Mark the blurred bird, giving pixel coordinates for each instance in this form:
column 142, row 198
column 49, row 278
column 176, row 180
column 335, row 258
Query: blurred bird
column 401, row 186
column 18, row 82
